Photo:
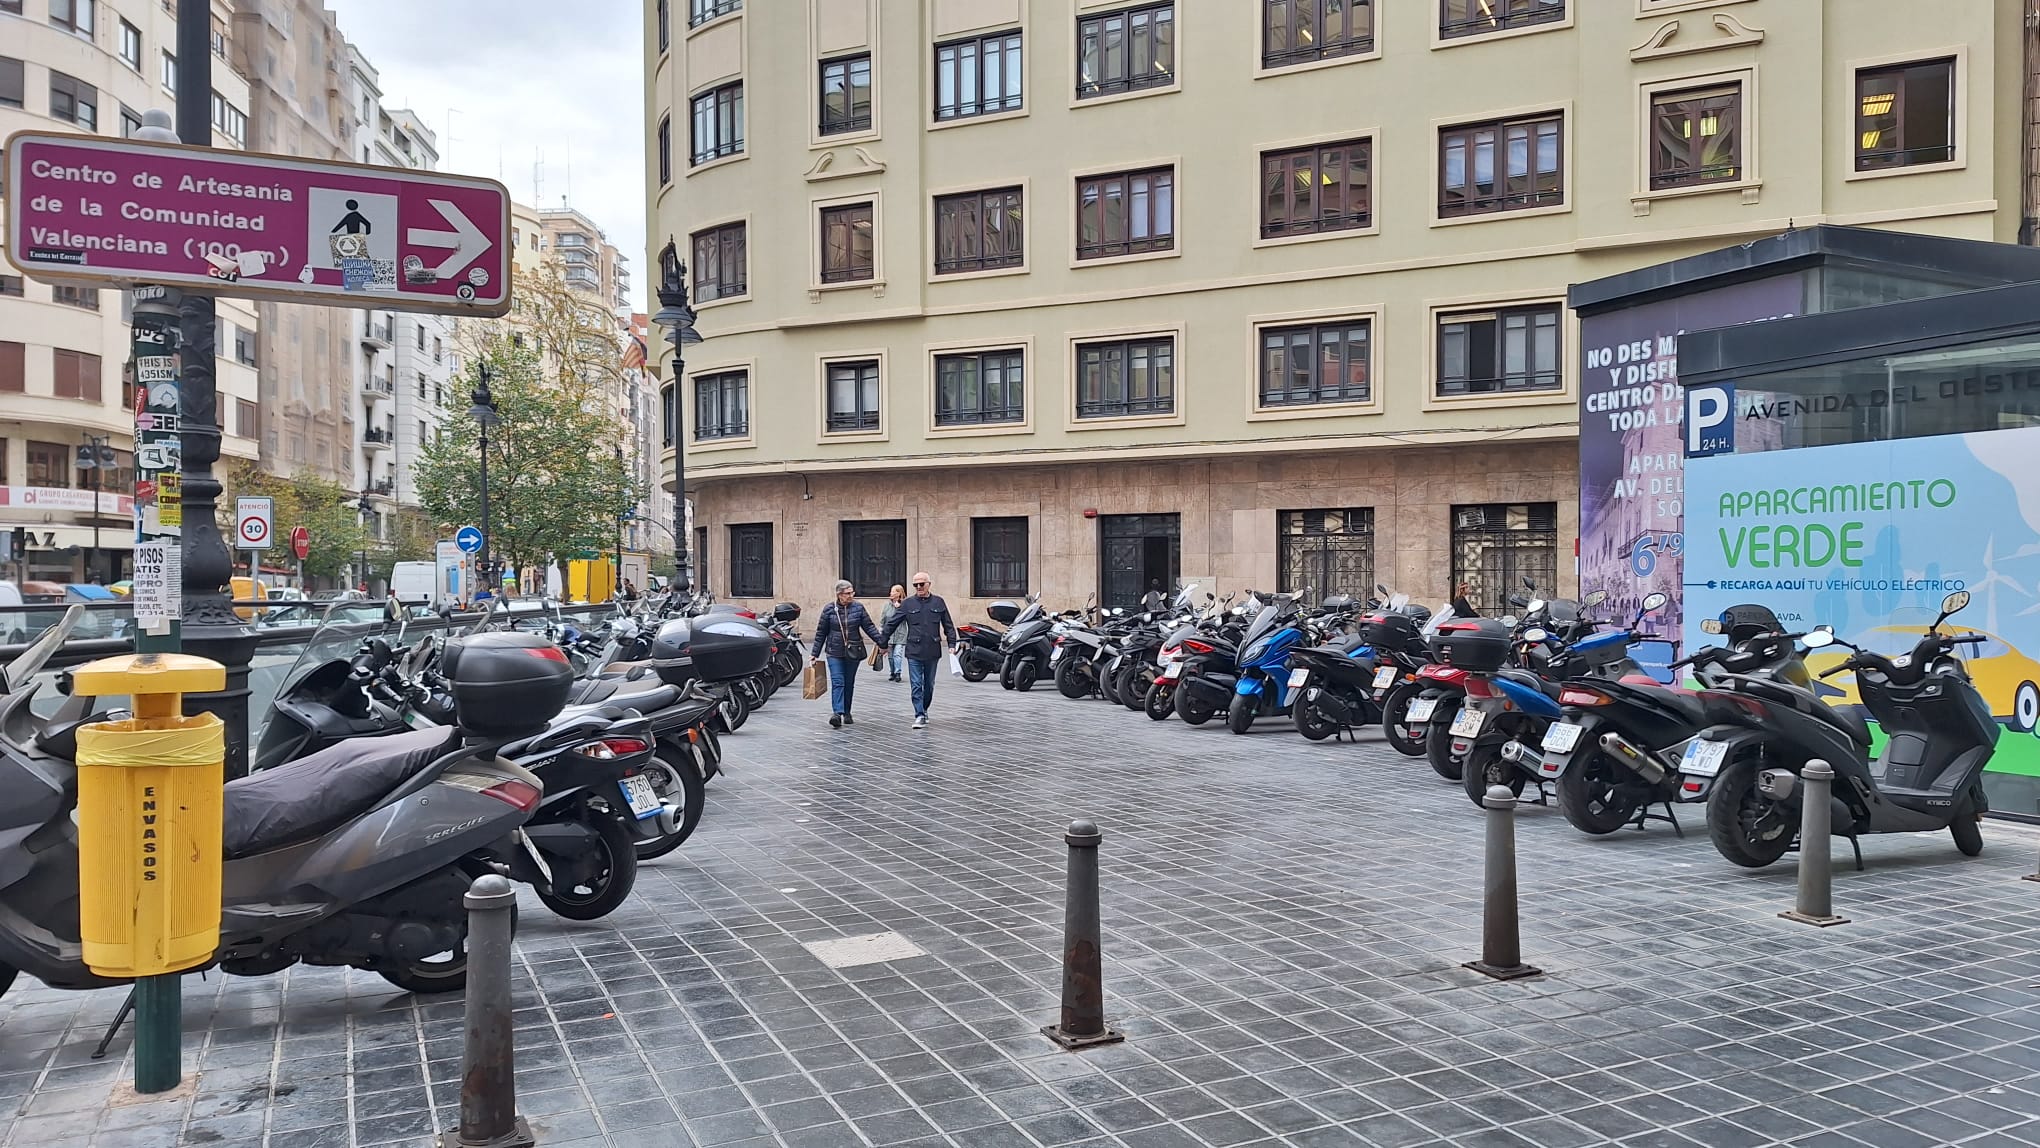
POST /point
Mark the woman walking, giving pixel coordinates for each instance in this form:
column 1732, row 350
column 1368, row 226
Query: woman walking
column 841, row 632
column 896, row 651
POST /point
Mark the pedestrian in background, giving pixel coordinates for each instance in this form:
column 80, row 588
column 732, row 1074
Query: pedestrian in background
column 841, row 631
column 1462, row 602
column 895, row 649
column 930, row 630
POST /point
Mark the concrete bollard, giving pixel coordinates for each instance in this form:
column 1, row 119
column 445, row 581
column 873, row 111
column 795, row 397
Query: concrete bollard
column 1501, row 943
column 488, row 1087
column 1816, row 860
column 1082, row 1024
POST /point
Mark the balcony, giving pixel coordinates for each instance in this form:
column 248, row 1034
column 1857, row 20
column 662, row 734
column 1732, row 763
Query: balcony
column 383, row 488
column 377, row 336
column 382, row 388
column 376, row 440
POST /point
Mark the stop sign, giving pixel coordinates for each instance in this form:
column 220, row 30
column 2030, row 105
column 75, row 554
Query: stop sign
column 300, row 542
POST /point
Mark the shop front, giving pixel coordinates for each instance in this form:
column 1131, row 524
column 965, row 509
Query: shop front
column 51, row 534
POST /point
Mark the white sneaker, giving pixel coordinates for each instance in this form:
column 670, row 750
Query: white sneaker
column 920, row 723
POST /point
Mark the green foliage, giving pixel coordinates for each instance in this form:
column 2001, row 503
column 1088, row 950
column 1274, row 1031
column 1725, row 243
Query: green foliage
column 554, row 481
column 322, row 506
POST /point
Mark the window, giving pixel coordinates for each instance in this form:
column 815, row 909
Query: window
column 718, row 123
column 10, row 286
column 1299, row 31
column 49, row 464
column 853, row 397
column 219, row 38
column 244, row 346
column 980, row 387
column 13, row 7
column 1126, row 213
column 722, row 406
column 169, row 73
column 700, row 12
column 669, row 414
column 875, row 556
column 751, row 560
column 998, row 553
column 130, row 122
column 848, row 254
column 1315, row 363
column 665, row 25
column 74, row 100
column 247, row 419
column 1499, row 352
column 1126, row 379
column 978, row 77
column 131, row 45
column 1475, row 180
column 1474, row 17
column 229, row 120
column 846, row 95
column 13, row 367
column 13, row 83
column 1905, row 115
column 721, row 263
column 75, row 15
column 83, row 298
column 1696, row 137
column 1126, row 51
column 665, row 150
column 1307, row 191
column 978, row 231
column 1325, row 552
column 438, row 349
column 77, row 375
column 1496, row 546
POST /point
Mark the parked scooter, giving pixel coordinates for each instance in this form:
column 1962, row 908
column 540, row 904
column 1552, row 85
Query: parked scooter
column 1939, row 730
column 1263, row 683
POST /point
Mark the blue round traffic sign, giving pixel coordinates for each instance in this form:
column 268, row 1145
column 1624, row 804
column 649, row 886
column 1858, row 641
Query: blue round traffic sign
column 469, row 539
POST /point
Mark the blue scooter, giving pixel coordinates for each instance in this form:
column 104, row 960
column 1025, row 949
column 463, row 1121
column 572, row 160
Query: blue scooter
column 1263, row 685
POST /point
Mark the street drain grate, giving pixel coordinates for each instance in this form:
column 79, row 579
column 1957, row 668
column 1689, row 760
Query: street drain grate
column 873, row 949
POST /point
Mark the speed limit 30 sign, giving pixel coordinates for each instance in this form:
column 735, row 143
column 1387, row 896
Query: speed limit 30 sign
column 253, row 522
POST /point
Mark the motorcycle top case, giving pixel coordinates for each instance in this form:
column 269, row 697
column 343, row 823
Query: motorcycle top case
column 1478, row 644
column 716, row 648
column 506, row 684
column 786, row 612
column 1390, row 631
column 1003, row 612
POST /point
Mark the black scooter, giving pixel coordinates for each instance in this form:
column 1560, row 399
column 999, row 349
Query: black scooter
column 1929, row 777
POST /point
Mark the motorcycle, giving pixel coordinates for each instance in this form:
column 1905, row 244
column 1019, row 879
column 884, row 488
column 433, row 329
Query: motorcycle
column 1208, row 671
column 1263, row 666
column 1028, row 646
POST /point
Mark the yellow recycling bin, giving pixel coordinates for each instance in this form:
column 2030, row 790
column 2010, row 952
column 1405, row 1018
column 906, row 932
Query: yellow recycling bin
column 149, row 817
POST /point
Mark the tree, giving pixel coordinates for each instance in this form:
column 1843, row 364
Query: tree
column 322, row 506
column 554, row 485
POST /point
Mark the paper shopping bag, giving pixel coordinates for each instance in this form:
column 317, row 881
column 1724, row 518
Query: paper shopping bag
column 955, row 664
column 814, row 681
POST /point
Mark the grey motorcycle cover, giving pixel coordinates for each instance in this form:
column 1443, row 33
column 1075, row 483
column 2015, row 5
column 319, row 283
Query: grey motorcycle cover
column 312, row 795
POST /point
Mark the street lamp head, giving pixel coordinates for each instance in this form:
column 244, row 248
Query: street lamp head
column 672, row 276
column 484, row 408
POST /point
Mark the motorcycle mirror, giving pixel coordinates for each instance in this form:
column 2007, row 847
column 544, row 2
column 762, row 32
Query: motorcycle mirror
column 1954, row 603
column 1595, row 598
column 1383, row 590
column 1655, row 601
column 1710, row 625
column 1534, row 605
column 1509, row 620
column 1817, row 637
column 1528, row 584
column 1518, row 600
column 1536, row 634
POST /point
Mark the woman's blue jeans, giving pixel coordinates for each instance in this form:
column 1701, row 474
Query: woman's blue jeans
column 842, row 683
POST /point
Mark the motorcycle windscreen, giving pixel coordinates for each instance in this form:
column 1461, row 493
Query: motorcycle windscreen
column 337, row 638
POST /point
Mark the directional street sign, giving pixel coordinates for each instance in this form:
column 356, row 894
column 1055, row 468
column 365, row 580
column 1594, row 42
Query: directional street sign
column 118, row 212
column 469, row 539
column 253, row 518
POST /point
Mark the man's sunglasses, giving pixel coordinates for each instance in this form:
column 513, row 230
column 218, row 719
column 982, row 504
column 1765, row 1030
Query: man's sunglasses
column 920, row 585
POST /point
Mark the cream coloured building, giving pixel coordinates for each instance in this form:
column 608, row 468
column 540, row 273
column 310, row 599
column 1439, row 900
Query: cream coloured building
column 1081, row 295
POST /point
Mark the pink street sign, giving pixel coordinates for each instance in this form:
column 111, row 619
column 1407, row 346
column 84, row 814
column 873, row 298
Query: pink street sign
column 124, row 212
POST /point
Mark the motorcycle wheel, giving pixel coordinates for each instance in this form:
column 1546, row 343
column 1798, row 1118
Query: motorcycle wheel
column 676, row 778
column 1592, row 797
column 1966, row 831
column 1133, row 686
column 1239, row 716
column 711, row 752
column 753, row 693
column 1310, row 721
column 426, row 977
column 789, row 670
column 1160, row 702
column 1025, row 675
column 1006, row 674
column 1736, row 814
column 733, row 712
column 1069, row 681
column 1484, row 766
column 972, row 672
column 1108, row 686
column 1394, row 707
column 1438, row 741
column 1192, row 711
column 601, row 896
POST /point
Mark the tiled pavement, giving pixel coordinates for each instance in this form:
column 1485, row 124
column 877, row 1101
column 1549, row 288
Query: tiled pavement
column 1285, row 925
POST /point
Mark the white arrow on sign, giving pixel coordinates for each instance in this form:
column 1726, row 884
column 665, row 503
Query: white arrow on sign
column 467, row 240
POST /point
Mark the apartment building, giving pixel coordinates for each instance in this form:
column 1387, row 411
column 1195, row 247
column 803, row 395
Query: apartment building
column 94, row 66
column 1076, row 295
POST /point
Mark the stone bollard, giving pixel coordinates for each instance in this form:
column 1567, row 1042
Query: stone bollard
column 1816, row 862
column 1082, row 1024
column 488, row 1087
column 1501, row 943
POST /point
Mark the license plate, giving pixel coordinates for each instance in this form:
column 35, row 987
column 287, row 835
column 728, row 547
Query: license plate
column 1561, row 737
column 1703, row 758
column 643, row 799
column 1298, row 677
column 1468, row 723
column 1055, row 656
column 1384, row 677
column 1421, row 710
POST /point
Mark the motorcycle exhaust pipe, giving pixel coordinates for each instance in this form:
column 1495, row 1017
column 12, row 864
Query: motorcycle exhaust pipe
column 669, row 819
column 1644, row 765
column 1778, row 784
column 1527, row 756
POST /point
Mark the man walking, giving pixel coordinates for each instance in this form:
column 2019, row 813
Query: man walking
column 930, row 630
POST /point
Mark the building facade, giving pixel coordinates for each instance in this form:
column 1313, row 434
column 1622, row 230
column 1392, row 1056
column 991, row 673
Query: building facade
column 65, row 392
column 1075, row 296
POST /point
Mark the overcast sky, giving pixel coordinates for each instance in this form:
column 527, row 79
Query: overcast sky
column 522, row 81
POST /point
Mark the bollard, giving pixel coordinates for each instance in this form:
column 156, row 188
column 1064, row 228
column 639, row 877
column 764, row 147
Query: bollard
column 1082, row 1024
column 488, row 1086
column 1816, row 864
column 1501, row 944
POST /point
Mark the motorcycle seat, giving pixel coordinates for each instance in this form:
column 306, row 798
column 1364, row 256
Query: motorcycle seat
column 595, row 690
column 1536, row 682
column 60, row 739
column 298, row 801
column 628, row 671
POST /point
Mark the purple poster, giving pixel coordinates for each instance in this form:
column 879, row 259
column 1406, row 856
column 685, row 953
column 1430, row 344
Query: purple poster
column 1632, row 456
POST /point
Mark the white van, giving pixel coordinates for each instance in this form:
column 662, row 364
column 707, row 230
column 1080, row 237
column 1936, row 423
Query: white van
column 415, row 583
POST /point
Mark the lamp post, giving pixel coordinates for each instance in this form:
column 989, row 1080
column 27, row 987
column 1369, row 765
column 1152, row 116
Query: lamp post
column 678, row 320
column 94, row 456
column 484, row 412
column 366, row 508
column 616, row 579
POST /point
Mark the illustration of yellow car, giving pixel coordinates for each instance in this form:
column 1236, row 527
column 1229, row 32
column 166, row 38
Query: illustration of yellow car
column 2003, row 675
